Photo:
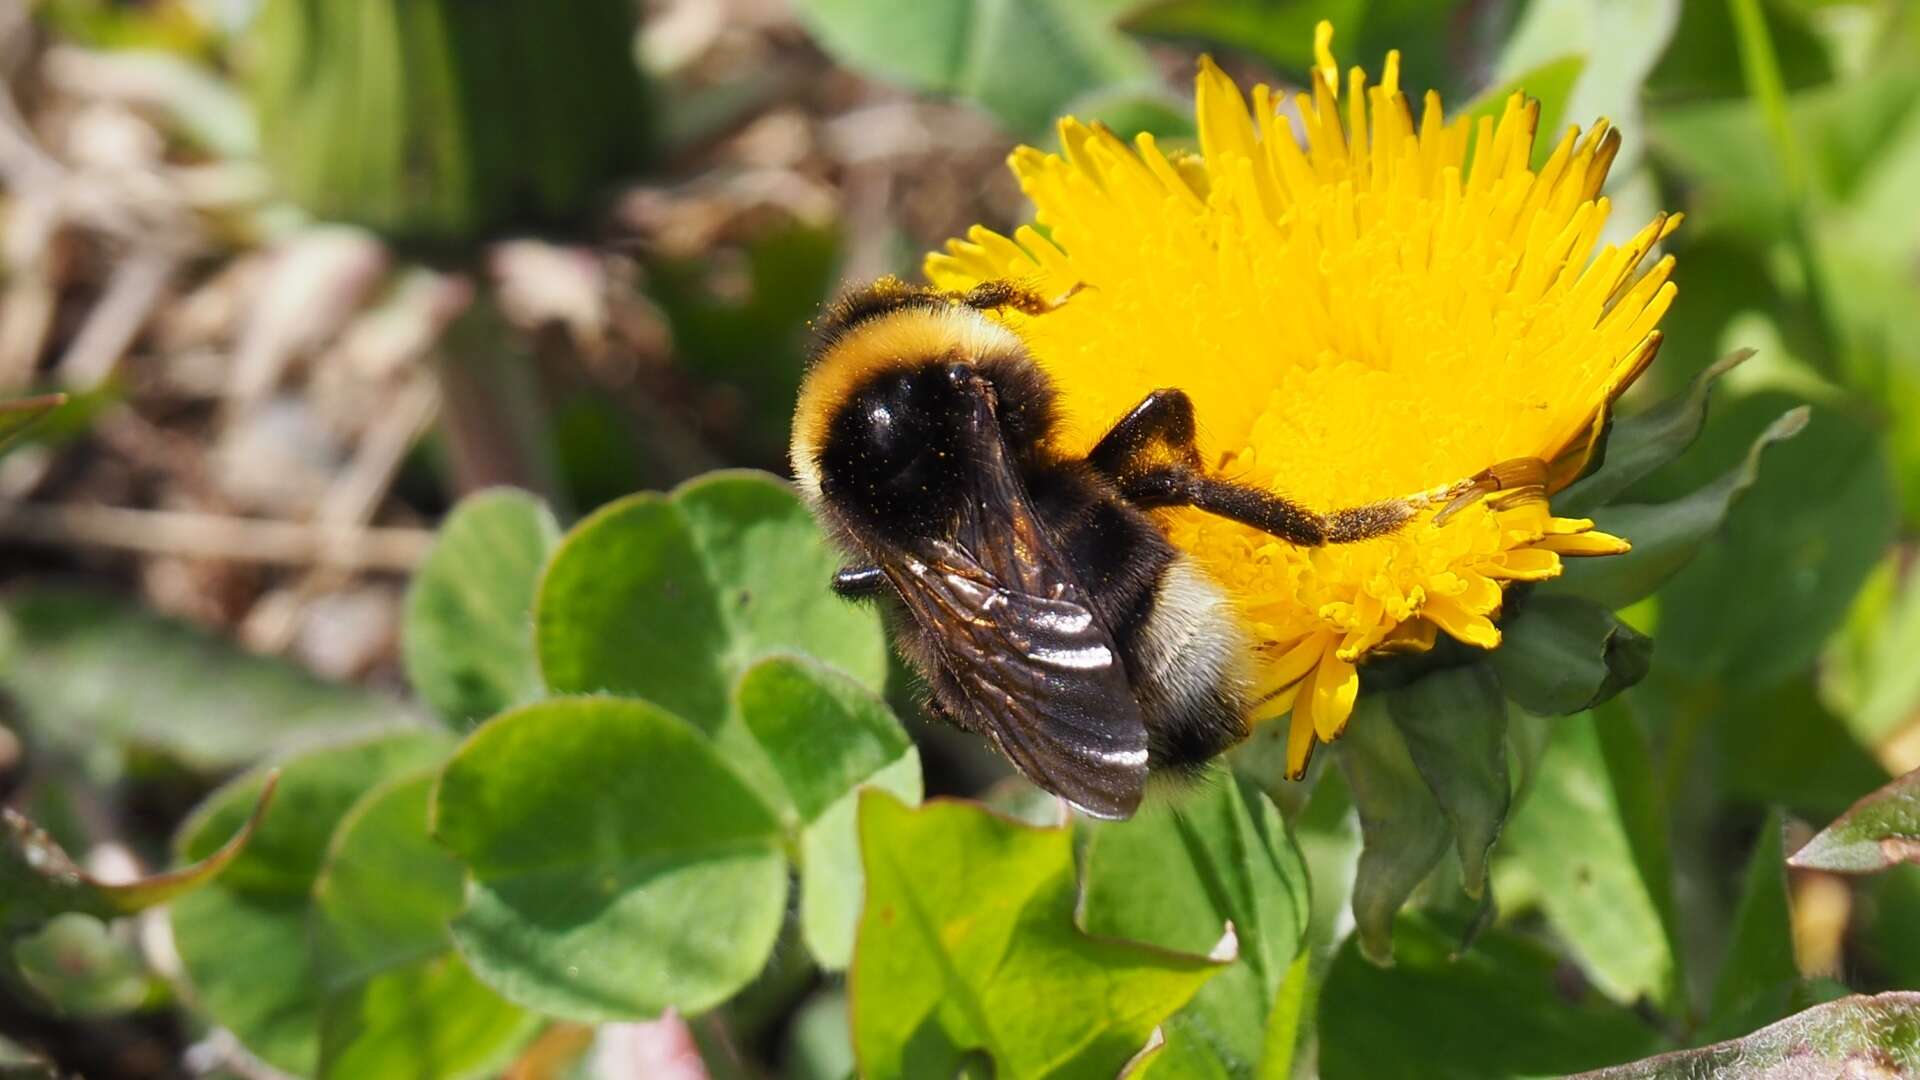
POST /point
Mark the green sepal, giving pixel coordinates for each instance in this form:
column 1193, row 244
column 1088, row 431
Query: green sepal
column 1454, row 723
column 1561, row 655
column 1403, row 830
column 1665, row 536
column 1635, row 446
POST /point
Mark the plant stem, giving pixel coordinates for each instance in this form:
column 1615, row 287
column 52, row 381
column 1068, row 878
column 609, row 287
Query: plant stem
column 493, row 409
column 1767, row 88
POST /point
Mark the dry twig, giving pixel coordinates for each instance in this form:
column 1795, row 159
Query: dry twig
column 215, row 536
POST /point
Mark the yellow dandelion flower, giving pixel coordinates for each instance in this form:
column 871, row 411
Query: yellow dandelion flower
column 1369, row 307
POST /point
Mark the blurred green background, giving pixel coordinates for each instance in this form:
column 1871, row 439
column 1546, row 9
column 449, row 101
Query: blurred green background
column 313, row 270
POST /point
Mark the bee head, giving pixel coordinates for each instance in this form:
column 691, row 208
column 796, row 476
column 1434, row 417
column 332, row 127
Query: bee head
column 894, row 414
column 897, row 450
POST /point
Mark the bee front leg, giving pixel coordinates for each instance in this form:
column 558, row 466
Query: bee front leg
column 994, row 295
column 859, row 582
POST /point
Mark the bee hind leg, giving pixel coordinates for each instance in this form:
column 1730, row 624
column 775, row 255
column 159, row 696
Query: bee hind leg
column 1164, row 417
column 1151, row 456
column 1174, row 485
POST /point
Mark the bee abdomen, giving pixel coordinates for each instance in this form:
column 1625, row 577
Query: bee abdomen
column 1189, row 667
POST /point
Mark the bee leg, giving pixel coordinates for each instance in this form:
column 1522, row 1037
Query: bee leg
column 1164, row 416
column 1270, row 513
column 1172, row 485
column 859, row 582
column 993, row 295
column 1125, row 456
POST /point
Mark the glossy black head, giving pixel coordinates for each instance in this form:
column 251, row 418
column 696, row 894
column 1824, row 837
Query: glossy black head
column 910, row 394
column 896, row 450
column 904, row 448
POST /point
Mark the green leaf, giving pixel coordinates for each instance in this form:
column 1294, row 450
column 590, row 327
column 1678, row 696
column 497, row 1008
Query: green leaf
column 1128, row 111
column 827, row 736
column 823, row 732
column 469, row 623
column 1867, row 673
column 1328, row 832
column 1279, row 30
column 819, row 1043
column 1551, row 83
column 673, row 598
column 618, row 866
column 1560, row 655
column 1665, row 536
column 446, row 125
column 751, row 349
column 38, row 881
column 398, row 1000
column 1454, row 723
column 1699, row 62
column 81, row 968
column 626, row 606
column 1849, row 131
column 428, row 1018
column 940, row 974
column 1863, row 1035
column 1887, row 922
column 1638, row 445
column 1022, row 61
column 1619, row 44
column 1177, row 873
column 1879, row 831
column 20, row 414
column 831, row 879
column 1592, row 835
column 385, row 892
column 1403, row 828
column 1433, row 39
column 1783, row 560
column 244, row 940
column 1780, row 746
column 1504, row 1008
column 1757, row 977
column 96, row 675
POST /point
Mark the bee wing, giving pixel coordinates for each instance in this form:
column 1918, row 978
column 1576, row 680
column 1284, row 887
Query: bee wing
column 1013, row 628
column 1041, row 677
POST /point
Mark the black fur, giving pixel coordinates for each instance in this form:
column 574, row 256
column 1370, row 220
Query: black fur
column 897, row 466
column 891, row 450
column 894, row 462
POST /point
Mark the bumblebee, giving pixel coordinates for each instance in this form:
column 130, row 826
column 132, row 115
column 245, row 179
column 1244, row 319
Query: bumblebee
column 1032, row 589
